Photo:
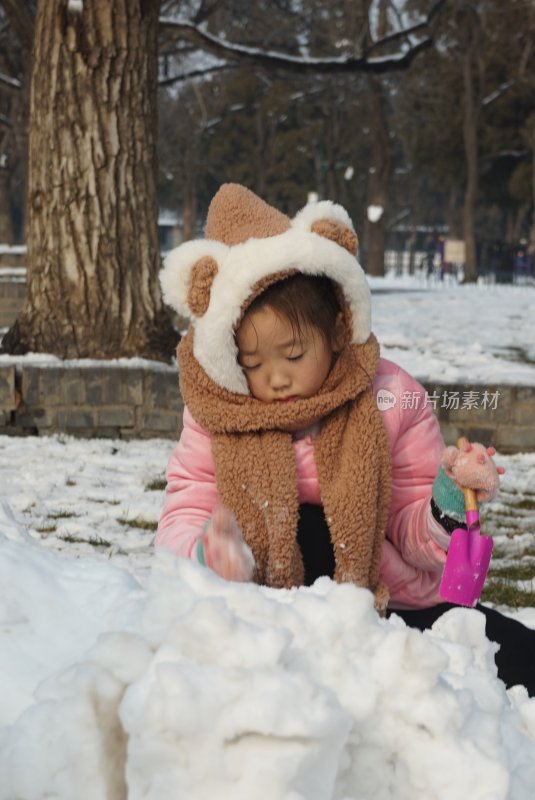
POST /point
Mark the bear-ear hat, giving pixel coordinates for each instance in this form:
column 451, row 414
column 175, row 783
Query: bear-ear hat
column 249, row 245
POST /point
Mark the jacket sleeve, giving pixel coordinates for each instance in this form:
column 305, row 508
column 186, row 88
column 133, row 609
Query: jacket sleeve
column 191, row 492
column 416, row 450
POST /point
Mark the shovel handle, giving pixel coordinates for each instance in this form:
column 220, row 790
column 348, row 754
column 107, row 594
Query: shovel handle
column 470, row 500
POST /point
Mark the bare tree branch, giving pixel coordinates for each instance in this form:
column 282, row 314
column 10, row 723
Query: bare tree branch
column 520, row 154
column 12, row 83
column 223, row 49
column 402, row 34
column 195, row 73
column 501, row 90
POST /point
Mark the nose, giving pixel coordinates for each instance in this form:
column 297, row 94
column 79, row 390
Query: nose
column 279, row 380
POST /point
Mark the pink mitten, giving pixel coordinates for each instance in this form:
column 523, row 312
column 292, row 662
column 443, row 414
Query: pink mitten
column 472, row 467
column 224, row 548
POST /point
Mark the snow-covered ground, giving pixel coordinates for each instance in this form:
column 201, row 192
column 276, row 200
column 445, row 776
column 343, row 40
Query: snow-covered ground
column 479, row 334
column 127, row 673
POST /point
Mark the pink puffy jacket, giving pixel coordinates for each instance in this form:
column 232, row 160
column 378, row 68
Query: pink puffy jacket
column 415, row 546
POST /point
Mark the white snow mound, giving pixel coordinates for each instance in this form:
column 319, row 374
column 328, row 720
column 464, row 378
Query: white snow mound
column 193, row 687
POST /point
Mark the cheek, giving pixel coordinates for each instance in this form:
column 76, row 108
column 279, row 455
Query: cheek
column 255, row 381
column 322, row 370
column 321, row 362
column 314, row 373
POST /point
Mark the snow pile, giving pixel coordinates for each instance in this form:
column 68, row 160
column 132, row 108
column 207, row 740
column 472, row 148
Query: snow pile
column 187, row 686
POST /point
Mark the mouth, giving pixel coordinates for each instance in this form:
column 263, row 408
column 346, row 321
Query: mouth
column 287, row 399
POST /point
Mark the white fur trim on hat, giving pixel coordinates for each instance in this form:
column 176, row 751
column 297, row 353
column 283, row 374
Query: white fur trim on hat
column 178, row 264
column 242, row 266
column 320, row 210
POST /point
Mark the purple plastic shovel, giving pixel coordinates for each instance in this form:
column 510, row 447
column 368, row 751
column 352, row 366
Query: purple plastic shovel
column 468, row 558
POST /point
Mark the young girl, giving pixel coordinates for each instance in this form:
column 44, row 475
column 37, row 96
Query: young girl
column 286, row 469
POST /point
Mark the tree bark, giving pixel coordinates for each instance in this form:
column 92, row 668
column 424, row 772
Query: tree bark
column 379, row 179
column 93, row 253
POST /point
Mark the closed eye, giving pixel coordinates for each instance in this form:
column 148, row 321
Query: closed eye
column 250, row 368
column 295, row 358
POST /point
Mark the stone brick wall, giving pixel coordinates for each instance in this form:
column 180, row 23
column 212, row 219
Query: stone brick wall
column 500, row 415
column 144, row 401
column 92, row 400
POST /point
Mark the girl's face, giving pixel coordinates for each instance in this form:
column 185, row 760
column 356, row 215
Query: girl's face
column 279, row 365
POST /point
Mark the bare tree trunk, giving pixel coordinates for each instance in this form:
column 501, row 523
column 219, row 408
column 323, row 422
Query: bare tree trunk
column 452, row 215
column 189, row 212
column 331, row 188
column 333, row 176
column 515, row 223
column 470, row 124
column 260, row 128
column 379, row 179
column 93, row 253
column 6, row 223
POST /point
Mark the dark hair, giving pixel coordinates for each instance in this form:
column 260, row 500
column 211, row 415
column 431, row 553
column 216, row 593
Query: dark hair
column 305, row 301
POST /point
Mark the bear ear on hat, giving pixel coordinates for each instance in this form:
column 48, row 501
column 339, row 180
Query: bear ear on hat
column 329, row 220
column 188, row 273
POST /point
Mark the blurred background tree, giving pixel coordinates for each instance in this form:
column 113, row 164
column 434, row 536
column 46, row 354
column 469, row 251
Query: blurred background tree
column 418, row 116
column 428, row 128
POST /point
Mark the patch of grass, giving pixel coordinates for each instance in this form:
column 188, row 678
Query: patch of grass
column 526, row 504
column 499, row 553
column 506, row 512
column 495, row 529
column 70, row 482
column 505, row 524
column 138, row 522
column 95, row 541
column 519, row 354
column 62, row 515
column 156, row 485
column 47, row 529
column 514, row 572
column 504, row 593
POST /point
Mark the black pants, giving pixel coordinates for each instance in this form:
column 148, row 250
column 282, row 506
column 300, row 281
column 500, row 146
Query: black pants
column 515, row 659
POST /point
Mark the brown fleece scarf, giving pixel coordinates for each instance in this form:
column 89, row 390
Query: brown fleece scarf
column 256, row 473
